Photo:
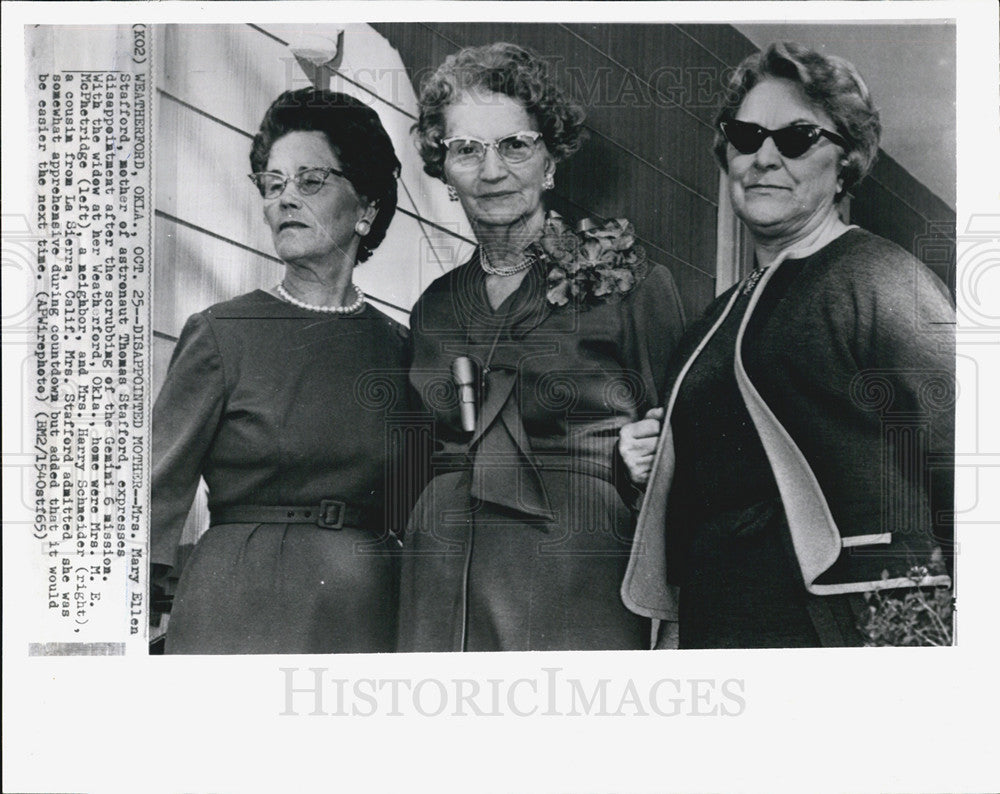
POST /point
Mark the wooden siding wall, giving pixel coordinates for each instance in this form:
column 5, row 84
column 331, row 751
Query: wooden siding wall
column 650, row 92
column 890, row 202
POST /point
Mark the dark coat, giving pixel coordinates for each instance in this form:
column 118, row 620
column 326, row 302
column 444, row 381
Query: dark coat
column 849, row 381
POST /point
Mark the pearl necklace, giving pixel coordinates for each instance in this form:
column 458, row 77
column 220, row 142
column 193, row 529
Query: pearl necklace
column 492, row 270
column 349, row 309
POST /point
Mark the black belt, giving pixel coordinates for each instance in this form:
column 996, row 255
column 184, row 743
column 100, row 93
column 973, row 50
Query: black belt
column 328, row 514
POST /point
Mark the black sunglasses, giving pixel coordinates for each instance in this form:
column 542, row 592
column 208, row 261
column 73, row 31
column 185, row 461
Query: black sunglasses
column 791, row 141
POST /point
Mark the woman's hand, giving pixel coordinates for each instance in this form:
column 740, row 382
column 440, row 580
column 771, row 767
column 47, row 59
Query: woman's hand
column 637, row 445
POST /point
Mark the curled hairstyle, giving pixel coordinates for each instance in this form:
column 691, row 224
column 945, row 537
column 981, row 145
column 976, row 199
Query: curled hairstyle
column 355, row 135
column 500, row 68
column 831, row 84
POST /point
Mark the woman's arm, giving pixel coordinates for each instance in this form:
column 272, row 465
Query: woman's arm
column 655, row 324
column 913, row 350
column 185, row 418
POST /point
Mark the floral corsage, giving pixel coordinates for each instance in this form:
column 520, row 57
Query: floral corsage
column 591, row 265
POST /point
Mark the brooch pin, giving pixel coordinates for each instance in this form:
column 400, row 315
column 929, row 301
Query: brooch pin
column 752, row 279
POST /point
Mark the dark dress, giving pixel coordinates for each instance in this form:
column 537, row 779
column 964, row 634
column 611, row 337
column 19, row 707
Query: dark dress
column 737, row 574
column 521, row 538
column 277, row 405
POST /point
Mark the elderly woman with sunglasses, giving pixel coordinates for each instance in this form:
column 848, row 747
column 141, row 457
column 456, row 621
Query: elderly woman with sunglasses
column 520, row 540
column 804, row 455
column 262, row 400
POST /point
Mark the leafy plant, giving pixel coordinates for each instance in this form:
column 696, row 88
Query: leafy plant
column 911, row 616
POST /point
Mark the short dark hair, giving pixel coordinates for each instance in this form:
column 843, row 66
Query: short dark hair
column 831, row 83
column 355, row 134
column 500, row 68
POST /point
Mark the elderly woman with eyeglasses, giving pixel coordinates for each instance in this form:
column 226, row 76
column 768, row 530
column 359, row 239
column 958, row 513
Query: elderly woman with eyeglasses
column 264, row 400
column 520, row 540
column 804, row 457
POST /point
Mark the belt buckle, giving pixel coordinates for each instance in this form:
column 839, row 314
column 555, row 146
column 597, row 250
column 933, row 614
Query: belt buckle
column 328, row 508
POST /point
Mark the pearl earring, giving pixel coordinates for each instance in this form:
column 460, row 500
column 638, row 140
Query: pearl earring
column 452, row 193
column 550, row 181
column 362, row 227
